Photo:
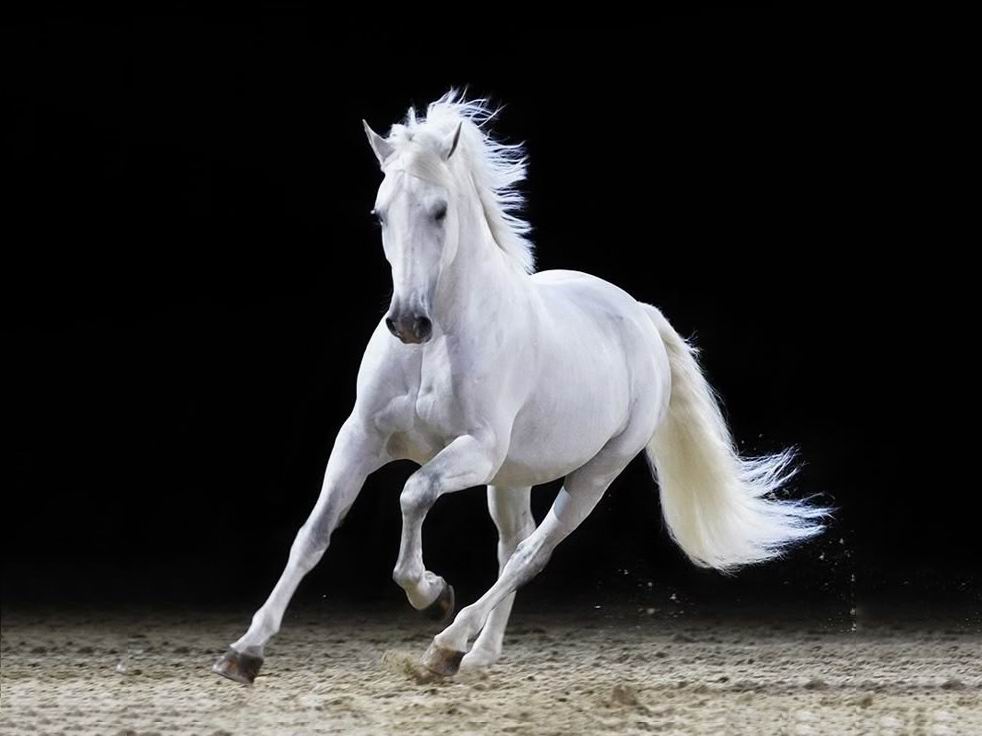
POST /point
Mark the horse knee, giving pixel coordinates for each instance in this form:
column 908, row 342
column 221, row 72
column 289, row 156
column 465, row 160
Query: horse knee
column 417, row 496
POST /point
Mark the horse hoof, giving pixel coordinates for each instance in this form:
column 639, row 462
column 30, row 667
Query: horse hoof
column 443, row 662
column 237, row 666
column 442, row 607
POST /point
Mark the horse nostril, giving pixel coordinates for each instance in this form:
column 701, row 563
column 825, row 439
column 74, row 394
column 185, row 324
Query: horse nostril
column 390, row 323
column 423, row 327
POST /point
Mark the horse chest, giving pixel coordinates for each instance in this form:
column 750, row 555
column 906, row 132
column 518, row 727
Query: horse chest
column 438, row 408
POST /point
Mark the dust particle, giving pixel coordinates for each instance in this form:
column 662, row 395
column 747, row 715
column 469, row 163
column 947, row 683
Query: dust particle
column 406, row 664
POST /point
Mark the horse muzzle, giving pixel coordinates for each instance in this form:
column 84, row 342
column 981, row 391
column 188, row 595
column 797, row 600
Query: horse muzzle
column 410, row 328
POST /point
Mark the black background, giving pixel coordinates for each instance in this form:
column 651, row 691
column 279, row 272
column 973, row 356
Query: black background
column 190, row 277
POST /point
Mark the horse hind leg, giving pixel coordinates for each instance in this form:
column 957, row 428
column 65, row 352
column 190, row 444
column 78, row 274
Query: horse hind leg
column 581, row 491
column 511, row 511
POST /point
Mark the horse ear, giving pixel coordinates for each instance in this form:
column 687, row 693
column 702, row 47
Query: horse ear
column 382, row 148
column 450, row 144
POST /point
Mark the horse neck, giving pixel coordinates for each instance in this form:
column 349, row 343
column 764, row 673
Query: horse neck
column 480, row 283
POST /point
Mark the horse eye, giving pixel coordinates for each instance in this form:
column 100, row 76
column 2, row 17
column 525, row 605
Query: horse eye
column 440, row 213
column 378, row 217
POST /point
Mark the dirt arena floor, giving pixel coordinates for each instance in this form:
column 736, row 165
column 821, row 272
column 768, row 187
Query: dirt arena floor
column 593, row 672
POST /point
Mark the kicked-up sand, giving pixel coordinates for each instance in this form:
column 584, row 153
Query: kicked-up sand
column 588, row 672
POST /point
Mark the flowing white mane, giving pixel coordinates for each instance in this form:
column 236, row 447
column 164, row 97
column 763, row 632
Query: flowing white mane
column 496, row 168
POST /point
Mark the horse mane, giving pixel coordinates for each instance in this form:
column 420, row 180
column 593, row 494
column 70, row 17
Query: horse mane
column 496, row 168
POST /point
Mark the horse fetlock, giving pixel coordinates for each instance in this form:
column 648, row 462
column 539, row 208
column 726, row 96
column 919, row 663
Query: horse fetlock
column 480, row 657
column 465, row 626
column 442, row 607
column 405, row 577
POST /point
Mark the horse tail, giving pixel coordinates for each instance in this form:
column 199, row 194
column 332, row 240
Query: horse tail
column 719, row 507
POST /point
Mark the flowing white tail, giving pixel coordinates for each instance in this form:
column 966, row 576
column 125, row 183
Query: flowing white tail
column 718, row 506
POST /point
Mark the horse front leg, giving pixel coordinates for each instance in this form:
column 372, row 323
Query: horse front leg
column 356, row 453
column 468, row 461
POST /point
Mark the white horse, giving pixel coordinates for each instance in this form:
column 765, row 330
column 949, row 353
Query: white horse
column 485, row 373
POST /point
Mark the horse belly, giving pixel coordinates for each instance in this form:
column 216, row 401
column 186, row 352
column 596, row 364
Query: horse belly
column 560, row 429
column 597, row 339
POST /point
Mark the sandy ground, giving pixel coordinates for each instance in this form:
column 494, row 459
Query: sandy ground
column 590, row 673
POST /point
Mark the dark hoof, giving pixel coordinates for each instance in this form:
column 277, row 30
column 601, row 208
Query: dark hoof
column 442, row 607
column 440, row 661
column 237, row 666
